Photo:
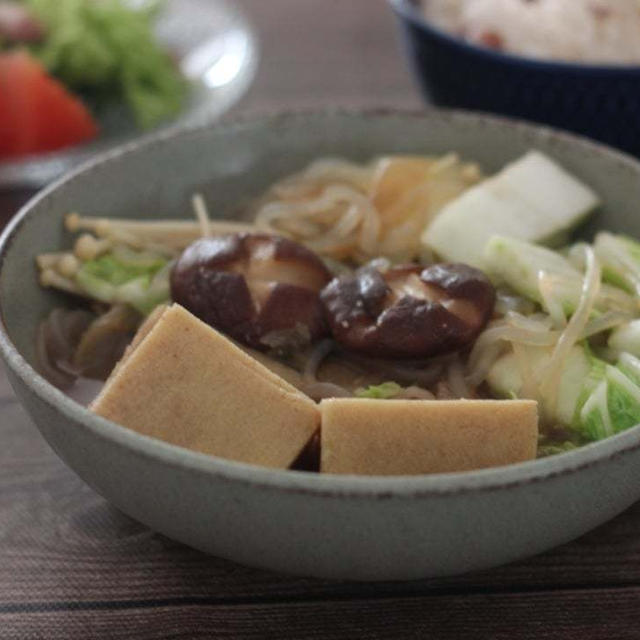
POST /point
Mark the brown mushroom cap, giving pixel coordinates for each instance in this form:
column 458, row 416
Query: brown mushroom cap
column 409, row 311
column 252, row 286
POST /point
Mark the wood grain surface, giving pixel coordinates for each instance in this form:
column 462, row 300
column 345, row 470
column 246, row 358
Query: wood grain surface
column 73, row 567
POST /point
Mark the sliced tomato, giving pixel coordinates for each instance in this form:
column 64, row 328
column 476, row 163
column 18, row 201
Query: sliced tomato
column 61, row 118
column 36, row 112
column 6, row 127
column 18, row 77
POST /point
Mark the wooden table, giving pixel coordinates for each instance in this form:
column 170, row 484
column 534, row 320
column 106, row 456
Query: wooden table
column 72, row 567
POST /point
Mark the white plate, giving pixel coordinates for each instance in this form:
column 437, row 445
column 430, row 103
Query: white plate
column 217, row 53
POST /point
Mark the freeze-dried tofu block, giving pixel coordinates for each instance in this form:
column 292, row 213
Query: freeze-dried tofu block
column 398, row 437
column 185, row 383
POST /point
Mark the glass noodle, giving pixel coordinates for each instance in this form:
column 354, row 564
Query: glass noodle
column 347, row 211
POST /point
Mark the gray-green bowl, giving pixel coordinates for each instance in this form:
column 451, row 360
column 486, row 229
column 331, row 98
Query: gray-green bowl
column 364, row 528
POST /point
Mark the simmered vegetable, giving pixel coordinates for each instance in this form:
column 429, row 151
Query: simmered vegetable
column 347, row 211
column 546, row 277
column 561, row 328
column 409, row 311
column 620, row 257
column 382, row 391
column 521, row 376
column 258, row 288
column 533, row 199
column 626, row 338
column 138, row 279
column 613, row 406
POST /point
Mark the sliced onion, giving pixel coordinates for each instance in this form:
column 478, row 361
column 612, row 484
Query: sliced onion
column 590, row 289
column 414, row 393
column 484, row 359
column 490, row 345
column 456, row 380
column 423, row 373
column 608, row 320
column 336, row 170
column 534, row 322
column 45, row 366
column 529, row 386
column 502, row 332
column 443, row 391
column 338, row 199
column 320, row 390
column 56, row 339
column 551, row 304
column 319, row 353
column 507, row 301
column 347, row 224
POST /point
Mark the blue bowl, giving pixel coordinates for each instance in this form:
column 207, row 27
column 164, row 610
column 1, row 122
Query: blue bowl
column 602, row 102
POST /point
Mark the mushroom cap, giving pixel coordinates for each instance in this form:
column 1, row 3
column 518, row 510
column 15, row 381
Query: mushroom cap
column 251, row 286
column 409, row 311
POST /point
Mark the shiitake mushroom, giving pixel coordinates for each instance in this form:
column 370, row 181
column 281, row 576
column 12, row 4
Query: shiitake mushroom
column 408, row 311
column 267, row 292
column 260, row 289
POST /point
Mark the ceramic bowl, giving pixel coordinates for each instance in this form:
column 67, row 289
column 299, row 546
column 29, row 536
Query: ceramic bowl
column 363, row 528
column 601, row 101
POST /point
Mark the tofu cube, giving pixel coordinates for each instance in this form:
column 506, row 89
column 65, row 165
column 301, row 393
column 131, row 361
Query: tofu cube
column 183, row 382
column 407, row 437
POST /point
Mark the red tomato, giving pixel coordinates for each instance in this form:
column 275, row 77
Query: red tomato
column 36, row 112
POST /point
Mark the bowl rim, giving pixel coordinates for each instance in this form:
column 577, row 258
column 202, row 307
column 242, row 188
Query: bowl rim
column 408, row 10
column 322, row 485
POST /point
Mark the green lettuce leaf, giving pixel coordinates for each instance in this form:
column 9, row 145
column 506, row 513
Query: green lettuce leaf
column 613, row 406
column 630, row 366
column 382, row 391
column 548, row 448
column 107, row 50
column 138, row 279
column 595, row 419
column 620, row 258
